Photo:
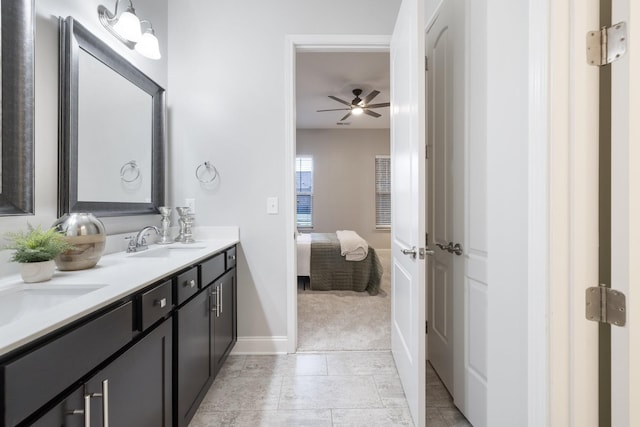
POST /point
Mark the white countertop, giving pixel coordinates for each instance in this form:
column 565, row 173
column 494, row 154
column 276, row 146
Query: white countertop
column 121, row 274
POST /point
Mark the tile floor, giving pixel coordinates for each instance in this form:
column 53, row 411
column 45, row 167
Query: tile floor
column 318, row 389
column 441, row 412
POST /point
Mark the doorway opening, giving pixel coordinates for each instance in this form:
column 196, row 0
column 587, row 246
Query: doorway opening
column 342, row 182
column 304, row 44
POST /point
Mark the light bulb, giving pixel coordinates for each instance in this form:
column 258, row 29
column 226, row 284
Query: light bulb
column 148, row 45
column 128, row 26
column 357, row 111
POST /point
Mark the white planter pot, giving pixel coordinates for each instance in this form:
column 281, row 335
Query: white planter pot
column 37, row 271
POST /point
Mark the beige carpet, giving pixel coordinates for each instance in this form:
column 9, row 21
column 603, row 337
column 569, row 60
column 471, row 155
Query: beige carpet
column 346, row 320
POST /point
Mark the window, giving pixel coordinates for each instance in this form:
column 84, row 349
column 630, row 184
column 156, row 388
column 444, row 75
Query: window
column 304, row 191
column 383, row 192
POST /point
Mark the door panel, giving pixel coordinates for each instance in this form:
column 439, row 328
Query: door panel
column 408, row 204
column 442, row 194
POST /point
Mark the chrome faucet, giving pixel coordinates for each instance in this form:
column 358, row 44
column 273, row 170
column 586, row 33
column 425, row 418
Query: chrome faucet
column 139, row 243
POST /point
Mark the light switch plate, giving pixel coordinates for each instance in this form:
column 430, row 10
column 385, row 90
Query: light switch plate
column 272, row 205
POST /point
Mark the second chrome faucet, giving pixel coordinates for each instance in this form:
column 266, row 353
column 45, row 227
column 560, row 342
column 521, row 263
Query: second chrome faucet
column 139, row 242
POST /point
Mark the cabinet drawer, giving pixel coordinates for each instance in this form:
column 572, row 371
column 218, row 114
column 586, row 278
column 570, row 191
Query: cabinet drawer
column 186, row 285
column 35, row 378
column 231, row 257
column 154, row 305
column 212, row 269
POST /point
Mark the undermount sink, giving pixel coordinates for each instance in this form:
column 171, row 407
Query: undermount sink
column 20, row 301
column 166, row 251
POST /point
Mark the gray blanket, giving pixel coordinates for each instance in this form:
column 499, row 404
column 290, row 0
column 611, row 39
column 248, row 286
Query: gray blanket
column 330, row 270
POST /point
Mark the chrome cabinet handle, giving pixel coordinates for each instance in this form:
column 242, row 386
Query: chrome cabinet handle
column 105, row 401
column 161, row 302
column 87, row 410
column 213, row 304
column 220, row 292
column 192, row 283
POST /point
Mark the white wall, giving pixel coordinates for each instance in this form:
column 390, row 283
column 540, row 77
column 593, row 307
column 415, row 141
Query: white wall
column 344, row 179
column 46, row 103
column 507, row 106
column 226, row 105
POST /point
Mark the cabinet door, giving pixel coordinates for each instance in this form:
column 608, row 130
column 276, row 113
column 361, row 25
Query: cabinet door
column 193, row 354
column 68, row 413
column 224, row 320
column 136, row 388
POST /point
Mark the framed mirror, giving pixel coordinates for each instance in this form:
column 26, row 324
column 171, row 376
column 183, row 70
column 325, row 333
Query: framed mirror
column 112, row 130
column 16, row 74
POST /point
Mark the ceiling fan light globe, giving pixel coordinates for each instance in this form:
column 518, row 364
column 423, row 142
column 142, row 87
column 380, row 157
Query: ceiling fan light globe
column 357, row 111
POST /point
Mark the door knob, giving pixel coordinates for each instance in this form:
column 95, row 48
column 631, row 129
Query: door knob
column 442, row 246
column 455, row 249
column 412, row 252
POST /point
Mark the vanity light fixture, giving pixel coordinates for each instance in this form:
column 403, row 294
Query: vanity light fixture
column 148, row 44
column 128, row 29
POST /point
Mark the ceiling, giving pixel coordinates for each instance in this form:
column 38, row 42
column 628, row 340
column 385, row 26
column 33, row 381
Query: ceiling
column 320, row 74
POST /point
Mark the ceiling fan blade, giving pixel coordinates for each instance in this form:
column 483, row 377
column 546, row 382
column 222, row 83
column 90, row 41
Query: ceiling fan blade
column 334, row 109
column 371, row 113
column 382, row 104
column 369, row 97
column 346, row 116
column 340, row 100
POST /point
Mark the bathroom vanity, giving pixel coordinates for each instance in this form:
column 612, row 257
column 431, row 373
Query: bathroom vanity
column 136, row 341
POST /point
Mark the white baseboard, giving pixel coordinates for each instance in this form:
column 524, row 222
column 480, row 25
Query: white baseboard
column 261, row 345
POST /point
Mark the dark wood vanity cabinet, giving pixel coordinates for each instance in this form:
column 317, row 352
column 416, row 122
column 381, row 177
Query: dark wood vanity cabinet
column 206, row 332
column 223, row 319
column 150, row 359
column 135, row 387
column 193, row 355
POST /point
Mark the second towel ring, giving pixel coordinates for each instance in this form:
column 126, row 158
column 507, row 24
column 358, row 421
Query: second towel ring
column 131, row 166
column 205, row 169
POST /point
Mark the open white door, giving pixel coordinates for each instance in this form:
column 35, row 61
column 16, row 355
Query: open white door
column 408, row 204
column 445, row 176
column 625, row 217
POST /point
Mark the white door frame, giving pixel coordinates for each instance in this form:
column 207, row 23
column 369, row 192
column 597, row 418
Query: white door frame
column 571, row 156
column 293, row 45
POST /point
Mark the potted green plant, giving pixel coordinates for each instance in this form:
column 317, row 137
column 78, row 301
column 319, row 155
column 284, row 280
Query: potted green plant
column 35, row 250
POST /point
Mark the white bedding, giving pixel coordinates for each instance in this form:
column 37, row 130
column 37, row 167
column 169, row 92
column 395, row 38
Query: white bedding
column 352, row 246
column 304, row 254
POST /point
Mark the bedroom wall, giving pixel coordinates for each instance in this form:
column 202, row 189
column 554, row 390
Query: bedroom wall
column 344, row 179
column 46, row 104
column 226, row 105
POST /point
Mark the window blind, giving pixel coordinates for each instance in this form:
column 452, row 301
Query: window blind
column 304, row 191
column 383, row 191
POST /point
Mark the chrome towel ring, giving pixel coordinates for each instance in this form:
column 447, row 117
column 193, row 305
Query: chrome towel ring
column 130, row 171
column 206, row 173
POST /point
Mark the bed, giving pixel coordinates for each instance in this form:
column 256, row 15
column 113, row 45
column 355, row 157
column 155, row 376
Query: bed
column 320, row 258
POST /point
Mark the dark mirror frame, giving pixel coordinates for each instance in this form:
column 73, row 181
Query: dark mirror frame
column 75, row 37
column 17, row 33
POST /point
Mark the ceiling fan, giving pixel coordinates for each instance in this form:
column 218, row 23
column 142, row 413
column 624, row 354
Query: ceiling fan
column 359, row 106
